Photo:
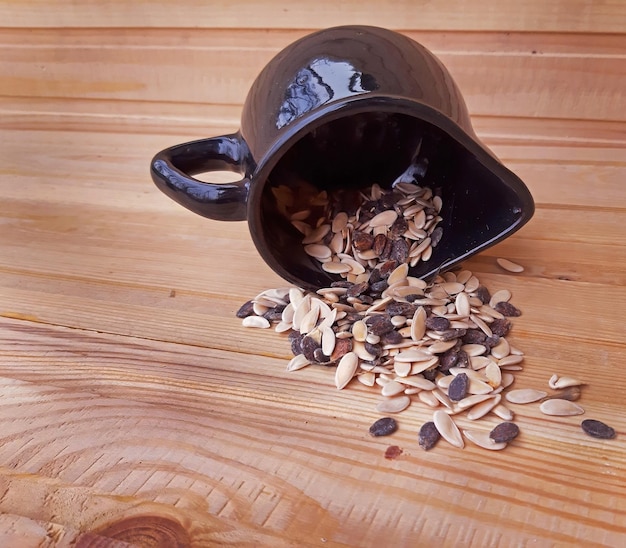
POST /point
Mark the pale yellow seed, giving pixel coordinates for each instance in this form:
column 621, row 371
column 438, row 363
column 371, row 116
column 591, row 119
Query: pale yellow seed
column 418, row 326
column 385, row 218
column 560, row 408
column 525, row 395
column 481, row 409
column 413, row 355
column 336, row 268
column 501, row 350
column 448, row 429
column 256, row 321
column 346, row 369
column 402, row 369
column 493, row 374
column 318, row 251
column 462, row 305
column 367, row 378
column 399, row 274
column 297, row 362
column 503, row 412
column 359, row 331
column 339, row 222
column 428, row 398
column 501, row 296
column 392, row 388
column 509, row 266
column 474, row 349
column 394, row 405
column 482, row 439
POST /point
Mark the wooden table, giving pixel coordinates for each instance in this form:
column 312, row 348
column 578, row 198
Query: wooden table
column 135, row 410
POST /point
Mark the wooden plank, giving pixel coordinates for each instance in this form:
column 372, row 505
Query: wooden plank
column 561, row 77
column 183, row 440
column 524, row 15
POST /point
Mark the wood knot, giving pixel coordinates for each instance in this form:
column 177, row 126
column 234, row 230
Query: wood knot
column 148, row 531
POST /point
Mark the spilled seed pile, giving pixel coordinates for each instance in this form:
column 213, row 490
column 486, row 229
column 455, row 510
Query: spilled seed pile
column 441, row 344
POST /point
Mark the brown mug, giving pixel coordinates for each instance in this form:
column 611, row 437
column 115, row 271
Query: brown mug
column 342, row 108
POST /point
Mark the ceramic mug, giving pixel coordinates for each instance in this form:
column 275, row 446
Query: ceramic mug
column 347, row 106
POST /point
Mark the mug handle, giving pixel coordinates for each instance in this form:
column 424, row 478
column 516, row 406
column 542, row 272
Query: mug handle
column 172, row 171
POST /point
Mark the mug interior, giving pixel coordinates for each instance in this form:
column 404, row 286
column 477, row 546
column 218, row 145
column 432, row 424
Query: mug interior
column 355, row 151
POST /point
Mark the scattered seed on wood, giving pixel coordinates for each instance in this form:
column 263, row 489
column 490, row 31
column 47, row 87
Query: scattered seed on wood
column 504, row 432
column 346, row 369
column 483, row 440
column 383, row 427
column 448, row 429
column 247, row 309
column 597, row 429
column 509, row 266
column 256, row 321
column 394, row 405
column 507, row 309
column 525, row 395
column 428, row 436
column 560, row 408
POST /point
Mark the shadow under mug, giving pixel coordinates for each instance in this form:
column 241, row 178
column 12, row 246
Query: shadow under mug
column 341, row 109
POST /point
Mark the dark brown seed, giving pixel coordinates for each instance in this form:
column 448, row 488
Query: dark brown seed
column 320, row 357
column 448, row 359
column 398, row 228
column 413, row 297
column 500, row 327
column 437, row 323
column 375, row 277
column 435, row 237
column 386, row 254
column 309, row 346
column 383, row 427
column 428, row 436
column 247, row 309
column 393, row 452
column 504, row 432
column 295, row 338
column 341, row 283
column 507, row 309
column 396, row 308
column 474, row 336
column 379, row 324
column 483, row 294
column 357, row 289
column 399, row 250
column 362, row 241
column 378, row 287
column 342, row 347
column 597, row 429
column 462, row 359
column 492, row 341
column 380, row 241
column 393, row 337
column 458, row 387
column 387, row 268
column 274, row 314
column 374, row 349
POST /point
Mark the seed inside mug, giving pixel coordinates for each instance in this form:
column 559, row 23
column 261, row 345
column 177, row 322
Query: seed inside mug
column 352, row 232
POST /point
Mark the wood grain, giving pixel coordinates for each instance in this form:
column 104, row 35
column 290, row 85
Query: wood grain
column 485, row 15
column 135, row 411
